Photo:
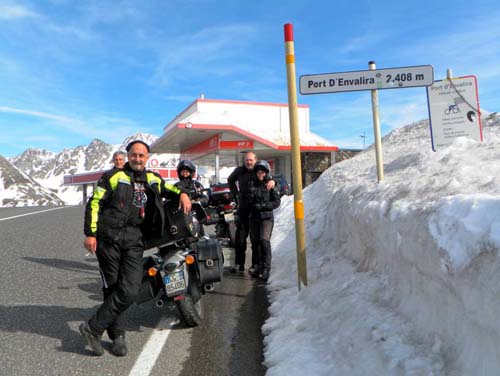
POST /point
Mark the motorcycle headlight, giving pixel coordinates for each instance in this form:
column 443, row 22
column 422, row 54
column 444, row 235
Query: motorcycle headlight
column 169, row 267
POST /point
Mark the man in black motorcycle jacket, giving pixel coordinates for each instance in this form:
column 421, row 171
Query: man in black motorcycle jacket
column 124, row 210
column 263, row 201
column 243, row 175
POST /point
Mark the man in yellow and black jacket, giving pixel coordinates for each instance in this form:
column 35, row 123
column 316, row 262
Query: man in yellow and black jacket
column 124, row 210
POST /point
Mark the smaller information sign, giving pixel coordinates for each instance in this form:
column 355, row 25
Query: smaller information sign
column 454, row 110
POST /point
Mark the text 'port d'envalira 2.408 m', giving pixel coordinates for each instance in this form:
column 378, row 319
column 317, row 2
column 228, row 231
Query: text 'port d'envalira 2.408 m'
column 392, row 78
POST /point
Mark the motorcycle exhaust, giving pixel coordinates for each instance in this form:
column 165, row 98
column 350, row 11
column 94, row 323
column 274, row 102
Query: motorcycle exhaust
column 159, row 303
column 209, row 287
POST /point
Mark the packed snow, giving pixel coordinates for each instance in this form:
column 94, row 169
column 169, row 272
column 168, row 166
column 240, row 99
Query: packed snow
column 403, row 275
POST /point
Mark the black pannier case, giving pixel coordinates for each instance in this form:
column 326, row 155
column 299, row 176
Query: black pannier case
column 178, row 226
column 210, row 260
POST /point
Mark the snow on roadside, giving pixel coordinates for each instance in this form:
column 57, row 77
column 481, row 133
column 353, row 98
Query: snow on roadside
column 387, row 292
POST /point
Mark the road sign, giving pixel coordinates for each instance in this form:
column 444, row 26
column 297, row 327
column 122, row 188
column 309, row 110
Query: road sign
column 454, row 110
column 392, row 78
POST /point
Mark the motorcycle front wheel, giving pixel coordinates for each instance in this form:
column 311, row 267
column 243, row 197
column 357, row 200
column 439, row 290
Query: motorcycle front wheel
column 191, row 313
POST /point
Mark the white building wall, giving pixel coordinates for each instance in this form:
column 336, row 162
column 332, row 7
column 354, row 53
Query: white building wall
column 269, row 121
column 182, row 117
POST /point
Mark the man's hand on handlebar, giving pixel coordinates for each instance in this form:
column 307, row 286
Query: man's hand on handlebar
column 185, row 203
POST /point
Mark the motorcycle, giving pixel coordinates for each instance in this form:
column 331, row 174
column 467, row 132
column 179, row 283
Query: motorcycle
column 185, row 267
column 221, row 212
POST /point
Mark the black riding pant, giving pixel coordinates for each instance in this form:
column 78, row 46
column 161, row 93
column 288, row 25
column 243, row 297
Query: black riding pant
column 260, row 237
column 242, row 231
column 121, row 268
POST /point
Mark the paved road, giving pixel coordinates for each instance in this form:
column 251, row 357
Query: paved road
column 49, row 285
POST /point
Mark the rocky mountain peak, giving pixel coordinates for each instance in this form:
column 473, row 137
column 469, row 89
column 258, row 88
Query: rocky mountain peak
column 18, row 189
column 147, row 138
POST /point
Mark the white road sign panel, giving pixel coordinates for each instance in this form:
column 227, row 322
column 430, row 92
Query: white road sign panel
column 454, row 110
column 391, row 78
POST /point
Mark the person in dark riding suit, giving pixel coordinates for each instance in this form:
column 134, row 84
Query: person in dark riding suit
column 186, row 172
column 243, row 175
column 263, row 201
column 125, row 210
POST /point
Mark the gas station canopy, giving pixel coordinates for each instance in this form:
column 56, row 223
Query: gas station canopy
column 226, row 128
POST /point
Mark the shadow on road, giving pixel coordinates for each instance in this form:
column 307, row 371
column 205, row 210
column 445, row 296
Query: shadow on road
column 230, row 340
column 62, row 322
column 49, row 321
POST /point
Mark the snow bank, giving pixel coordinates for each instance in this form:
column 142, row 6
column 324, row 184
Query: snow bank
column 404, row 276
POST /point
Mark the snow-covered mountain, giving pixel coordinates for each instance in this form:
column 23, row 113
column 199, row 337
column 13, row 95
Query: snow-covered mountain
column 33, row 161
column 42, row 165
column 19, row 189
column 147, row 138
column 46, row 170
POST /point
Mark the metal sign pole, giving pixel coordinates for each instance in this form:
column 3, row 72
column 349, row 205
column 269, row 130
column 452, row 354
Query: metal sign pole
column 376, row 130
column 373, row 80
column 296, row 165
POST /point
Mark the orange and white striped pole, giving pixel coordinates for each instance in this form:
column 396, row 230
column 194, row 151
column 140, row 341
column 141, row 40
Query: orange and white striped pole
column 300, row 236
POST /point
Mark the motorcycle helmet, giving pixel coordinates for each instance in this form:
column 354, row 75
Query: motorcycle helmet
column 262, row 165
column 186, row 165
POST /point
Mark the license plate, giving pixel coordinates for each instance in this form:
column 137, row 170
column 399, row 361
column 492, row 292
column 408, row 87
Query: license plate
column 175, row 282
column 229, row 217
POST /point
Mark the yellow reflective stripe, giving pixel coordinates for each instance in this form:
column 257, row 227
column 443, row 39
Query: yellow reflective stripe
column 119, row 177
column 153, row 179
column 94, row 207
column 299, row 209
column 172, row 188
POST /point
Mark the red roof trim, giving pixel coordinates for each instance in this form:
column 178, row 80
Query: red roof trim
column 310, row 148
column 231, row 101
column 233, row 128
column 84, row 178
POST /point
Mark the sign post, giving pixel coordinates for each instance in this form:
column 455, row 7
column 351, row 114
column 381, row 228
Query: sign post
column 296, row 165
column 372, row 79
column 454, row 110
column 376, row 130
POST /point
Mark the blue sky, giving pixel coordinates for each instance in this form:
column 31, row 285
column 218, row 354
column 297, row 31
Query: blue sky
column 72, row 71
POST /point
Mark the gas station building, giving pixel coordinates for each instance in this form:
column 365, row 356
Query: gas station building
column 217, row 133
